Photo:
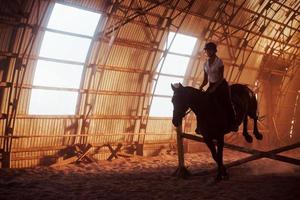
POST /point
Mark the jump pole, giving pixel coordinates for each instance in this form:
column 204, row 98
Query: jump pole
column 182, row 171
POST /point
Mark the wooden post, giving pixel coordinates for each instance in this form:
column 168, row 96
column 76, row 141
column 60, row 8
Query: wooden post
column 180, row 147
column 181, row 171
column 6, row 159
column 6, row 151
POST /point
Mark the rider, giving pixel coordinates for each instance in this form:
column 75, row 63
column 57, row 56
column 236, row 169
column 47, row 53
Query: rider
column 214, row 74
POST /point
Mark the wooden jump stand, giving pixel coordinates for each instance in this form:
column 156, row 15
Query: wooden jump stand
column 182, row 171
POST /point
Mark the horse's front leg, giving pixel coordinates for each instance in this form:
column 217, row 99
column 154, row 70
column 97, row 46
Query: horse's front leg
column 222, row 173
column 256, row 133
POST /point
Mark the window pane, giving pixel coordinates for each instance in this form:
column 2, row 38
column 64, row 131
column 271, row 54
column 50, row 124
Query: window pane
column 161, row 107
column 55, row 74
column 164, row 85
column 48, row 102
column 74, row 20
column 64, row 47
column 175, row 65
column 182, row 44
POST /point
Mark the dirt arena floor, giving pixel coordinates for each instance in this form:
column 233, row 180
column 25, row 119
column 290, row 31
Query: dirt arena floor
column 150, row 178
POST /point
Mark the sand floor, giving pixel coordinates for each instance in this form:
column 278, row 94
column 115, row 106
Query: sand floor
column 151, row 178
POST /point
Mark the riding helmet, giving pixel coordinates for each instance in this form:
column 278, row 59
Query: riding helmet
column 210, row 46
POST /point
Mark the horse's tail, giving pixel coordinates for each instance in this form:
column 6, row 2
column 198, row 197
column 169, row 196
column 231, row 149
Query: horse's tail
column 245, row 98
column 250, row 92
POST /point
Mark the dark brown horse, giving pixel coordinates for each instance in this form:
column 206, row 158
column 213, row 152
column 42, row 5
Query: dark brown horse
column 212, row 117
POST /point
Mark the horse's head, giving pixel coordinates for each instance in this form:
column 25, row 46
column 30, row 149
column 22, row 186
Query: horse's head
column 180, row 103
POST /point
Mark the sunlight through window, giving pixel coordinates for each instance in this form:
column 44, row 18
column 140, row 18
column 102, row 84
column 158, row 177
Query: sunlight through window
column 73, row 20
column 58, row 74
column 161, row 107
column 164, row 85
column 173, row 66
column 64, row 48
column 182, row 44
column 51, row 102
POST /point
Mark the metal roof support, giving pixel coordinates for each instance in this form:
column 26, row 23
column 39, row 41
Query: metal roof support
column 169, row 25
column 19, row 68
column 86, row 104
column 283, row 52
column 112, row 26
column 144, row 102
column 249, row 41
column 129, row 17
column 222, row 20
column 156, row 36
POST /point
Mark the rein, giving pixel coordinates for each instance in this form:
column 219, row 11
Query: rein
column 187, row 112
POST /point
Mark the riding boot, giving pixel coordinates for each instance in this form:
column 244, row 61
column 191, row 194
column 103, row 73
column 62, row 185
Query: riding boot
column 232, row 119
column 233, row 124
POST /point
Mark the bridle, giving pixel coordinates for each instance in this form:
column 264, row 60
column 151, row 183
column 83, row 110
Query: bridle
column 186, row 113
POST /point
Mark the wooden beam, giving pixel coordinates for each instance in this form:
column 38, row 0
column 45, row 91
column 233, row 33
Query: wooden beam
column 114, row 152
column 64, row 162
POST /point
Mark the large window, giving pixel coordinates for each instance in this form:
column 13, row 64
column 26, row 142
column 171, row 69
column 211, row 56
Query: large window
column 171, row 70
column 62, row 56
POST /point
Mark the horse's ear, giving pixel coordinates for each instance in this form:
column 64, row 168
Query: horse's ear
column 173, row 87
column 176, row 86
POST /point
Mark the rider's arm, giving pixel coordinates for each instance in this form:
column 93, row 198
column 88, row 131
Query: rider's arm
column 205, row 81
column 222, row 71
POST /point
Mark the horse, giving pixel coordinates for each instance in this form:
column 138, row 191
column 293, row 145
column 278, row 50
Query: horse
column 212, row 118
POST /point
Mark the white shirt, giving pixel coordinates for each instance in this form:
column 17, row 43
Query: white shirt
column 214, row 71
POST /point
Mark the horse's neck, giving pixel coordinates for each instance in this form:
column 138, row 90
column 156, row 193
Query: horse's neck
column 197, row 100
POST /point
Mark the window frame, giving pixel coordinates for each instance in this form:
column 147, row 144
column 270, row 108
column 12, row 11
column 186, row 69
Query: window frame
column 82, row 63
column 159, row 74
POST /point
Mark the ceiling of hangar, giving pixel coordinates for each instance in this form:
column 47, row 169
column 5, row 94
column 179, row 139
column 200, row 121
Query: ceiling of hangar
column 252, row 35
column 246, row 31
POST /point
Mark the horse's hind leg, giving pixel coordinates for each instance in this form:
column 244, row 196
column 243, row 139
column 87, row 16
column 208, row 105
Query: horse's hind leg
column 211, row 147
column 246, row 135
column 256, row 133
column 252, row 113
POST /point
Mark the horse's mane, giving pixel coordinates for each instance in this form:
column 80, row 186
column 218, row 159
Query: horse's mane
column 190, row 91
column 193, row 90
column 195, row 95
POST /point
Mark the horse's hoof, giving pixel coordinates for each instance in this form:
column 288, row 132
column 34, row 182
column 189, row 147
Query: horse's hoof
column 248, row 138
column 182, row 172
column 218, row 178
column 226, row 177
column 258, row 136
column 222, row 177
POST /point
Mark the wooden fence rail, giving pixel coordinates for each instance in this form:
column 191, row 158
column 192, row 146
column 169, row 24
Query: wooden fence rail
column 181, row 171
